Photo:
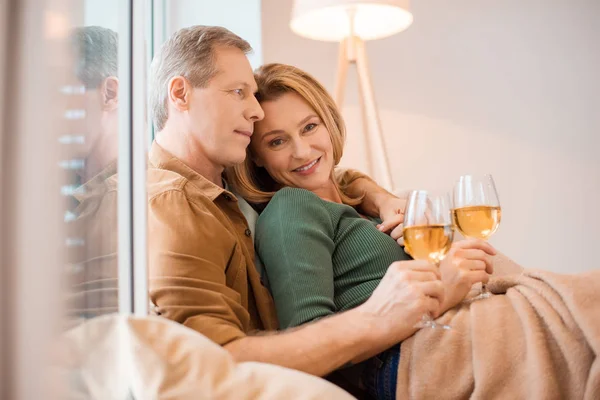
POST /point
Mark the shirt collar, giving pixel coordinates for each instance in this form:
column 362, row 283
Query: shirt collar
column 96, row 185
column 162, row 159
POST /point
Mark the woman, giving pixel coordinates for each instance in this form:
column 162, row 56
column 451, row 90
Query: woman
column 321, row 256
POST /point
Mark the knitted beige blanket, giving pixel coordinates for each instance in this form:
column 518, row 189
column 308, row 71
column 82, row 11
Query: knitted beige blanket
column 538, row 337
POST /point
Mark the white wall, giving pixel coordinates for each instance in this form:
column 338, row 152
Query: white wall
column 242, row 17
column 509, row 87
column 103, row 13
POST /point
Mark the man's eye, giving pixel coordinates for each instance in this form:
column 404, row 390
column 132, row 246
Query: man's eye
column 239, row 92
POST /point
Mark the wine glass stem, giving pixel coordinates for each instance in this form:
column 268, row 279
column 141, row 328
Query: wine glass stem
column 427, row 320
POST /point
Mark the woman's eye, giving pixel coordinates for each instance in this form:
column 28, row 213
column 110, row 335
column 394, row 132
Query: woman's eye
column 310, row 127
column 276, row 142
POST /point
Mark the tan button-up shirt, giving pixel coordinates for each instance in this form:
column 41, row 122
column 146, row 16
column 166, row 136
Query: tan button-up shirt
column 201, row 254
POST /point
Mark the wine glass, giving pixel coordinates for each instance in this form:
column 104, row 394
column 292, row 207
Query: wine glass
column 428, row 233
column 476, row 212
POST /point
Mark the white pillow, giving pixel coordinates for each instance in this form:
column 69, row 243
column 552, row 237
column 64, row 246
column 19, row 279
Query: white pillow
column 124, row 357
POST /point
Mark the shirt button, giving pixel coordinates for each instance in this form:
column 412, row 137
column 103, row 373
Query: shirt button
column 227, row 197
column 248, row 232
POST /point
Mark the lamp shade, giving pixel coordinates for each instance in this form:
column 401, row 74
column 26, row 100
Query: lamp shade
column 329, row 20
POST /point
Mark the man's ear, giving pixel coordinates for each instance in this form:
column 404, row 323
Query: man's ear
column 110, row 93
column 179, row 93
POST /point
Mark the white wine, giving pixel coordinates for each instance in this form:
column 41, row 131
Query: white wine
column 477, row 221
column 428, row 242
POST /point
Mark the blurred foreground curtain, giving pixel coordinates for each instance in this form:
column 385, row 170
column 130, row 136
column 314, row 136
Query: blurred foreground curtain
column 33, row 67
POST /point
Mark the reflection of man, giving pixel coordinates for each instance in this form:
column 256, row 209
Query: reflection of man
column 201, row 254
column 93, row 234
column 96, row 52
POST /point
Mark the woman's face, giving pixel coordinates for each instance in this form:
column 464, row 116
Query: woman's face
column 292, row 144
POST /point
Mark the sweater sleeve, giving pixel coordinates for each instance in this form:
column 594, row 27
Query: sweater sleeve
column 295, row 240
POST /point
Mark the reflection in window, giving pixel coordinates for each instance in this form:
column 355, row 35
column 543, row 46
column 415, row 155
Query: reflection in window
column 91, row 140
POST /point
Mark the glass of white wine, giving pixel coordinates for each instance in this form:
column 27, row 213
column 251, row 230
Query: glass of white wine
column 428, row 233
column 476, row 212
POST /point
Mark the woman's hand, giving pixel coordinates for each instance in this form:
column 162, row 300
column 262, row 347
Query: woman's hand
column 468, row 262
column 391, row 213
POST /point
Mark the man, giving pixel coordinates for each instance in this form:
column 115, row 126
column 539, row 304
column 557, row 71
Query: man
column 201, row 253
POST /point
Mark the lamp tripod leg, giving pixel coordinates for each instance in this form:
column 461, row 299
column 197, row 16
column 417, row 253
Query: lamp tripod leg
column 347, row 56
column 373, row 131
column 342, row 74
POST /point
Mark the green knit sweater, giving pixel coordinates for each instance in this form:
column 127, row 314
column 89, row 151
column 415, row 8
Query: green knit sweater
column 320, row 257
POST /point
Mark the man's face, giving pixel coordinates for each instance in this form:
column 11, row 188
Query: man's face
column 100, row 123
column 101, row 116
column 221, row 116
column 93, row 119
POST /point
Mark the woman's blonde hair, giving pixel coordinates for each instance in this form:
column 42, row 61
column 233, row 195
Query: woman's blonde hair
column 274, row 80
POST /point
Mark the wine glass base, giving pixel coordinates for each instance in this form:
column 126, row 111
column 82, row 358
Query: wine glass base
column 428, row 322
column 481, row 296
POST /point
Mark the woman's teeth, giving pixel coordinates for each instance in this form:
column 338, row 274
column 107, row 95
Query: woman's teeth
column 307, row 167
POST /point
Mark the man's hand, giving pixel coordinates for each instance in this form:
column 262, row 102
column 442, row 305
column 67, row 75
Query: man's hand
column 467, row 263
column 391, row 212
column 408, row 290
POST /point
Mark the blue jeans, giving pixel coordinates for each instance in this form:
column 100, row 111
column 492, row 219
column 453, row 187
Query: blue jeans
column 380, row 375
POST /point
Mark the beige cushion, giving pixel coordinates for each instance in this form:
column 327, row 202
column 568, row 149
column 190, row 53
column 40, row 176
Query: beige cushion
column 123, row 357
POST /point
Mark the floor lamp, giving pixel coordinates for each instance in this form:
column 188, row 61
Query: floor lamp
column 351, row 23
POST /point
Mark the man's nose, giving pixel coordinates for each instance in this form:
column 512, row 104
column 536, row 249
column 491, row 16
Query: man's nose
column 254, row 112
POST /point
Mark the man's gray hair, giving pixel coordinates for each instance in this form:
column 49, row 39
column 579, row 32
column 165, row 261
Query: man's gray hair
column 189, row 53
column 96, row 51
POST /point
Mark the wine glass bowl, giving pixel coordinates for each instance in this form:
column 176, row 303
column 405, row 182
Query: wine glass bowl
column 428, row 233
column 428, row 242
column 477, row 221
column 476, row 211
